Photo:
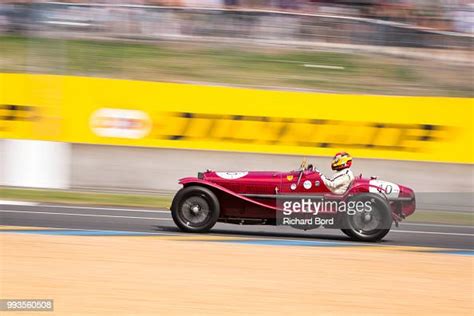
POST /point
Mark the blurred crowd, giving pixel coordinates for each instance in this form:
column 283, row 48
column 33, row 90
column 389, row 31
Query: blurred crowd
column 451, row 15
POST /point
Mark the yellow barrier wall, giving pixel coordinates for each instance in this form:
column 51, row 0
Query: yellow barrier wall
column 137, row 113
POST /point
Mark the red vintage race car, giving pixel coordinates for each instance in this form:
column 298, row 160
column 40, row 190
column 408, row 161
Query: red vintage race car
column 280, row 198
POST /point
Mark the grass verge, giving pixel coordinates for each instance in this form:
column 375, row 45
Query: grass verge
column 442, row 217
column 89, row 198
column 275, row 68
column 164, row 201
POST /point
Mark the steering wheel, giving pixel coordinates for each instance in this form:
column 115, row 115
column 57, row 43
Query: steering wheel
column 303, row 164
column 302, row 169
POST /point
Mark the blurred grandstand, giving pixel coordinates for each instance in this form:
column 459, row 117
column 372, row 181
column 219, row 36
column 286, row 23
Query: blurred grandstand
column 447, row 15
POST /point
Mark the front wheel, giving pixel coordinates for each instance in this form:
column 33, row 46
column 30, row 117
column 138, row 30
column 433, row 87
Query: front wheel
column 195, row 209
column 370, row 225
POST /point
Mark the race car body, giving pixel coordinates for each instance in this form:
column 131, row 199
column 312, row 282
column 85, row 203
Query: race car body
column 262, row 197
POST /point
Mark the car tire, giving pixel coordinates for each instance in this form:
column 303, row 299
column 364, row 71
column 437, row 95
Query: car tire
column 195, row 209
column 380, row 217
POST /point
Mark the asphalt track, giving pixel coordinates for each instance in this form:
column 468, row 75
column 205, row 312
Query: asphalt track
column 159, row 222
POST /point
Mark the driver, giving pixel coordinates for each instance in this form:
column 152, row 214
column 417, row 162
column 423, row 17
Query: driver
column 343, row 178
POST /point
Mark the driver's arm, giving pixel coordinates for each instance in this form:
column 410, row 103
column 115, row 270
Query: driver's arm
column 335, row 183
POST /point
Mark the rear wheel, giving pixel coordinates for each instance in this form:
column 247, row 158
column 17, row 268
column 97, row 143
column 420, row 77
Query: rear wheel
column 195, row 209
column 372, row 225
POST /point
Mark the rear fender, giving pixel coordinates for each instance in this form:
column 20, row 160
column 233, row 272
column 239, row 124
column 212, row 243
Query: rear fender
column 199, row 182
column 355, row 188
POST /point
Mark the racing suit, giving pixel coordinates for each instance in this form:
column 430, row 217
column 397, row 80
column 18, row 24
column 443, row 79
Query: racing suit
column 339, row 183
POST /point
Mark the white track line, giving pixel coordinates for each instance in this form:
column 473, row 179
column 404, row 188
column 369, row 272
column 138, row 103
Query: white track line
column 35, row 204
column 323, row 66
column 22, row 203
column 85, row 215
column 169, row 219
column 18, row 203
column 99, row 208
column 95, row 230
column 430, row 233
column 435, row 225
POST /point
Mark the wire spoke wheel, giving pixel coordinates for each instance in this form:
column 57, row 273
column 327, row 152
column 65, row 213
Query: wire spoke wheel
column 370, row 224
column 195, row 211
column 367, row 222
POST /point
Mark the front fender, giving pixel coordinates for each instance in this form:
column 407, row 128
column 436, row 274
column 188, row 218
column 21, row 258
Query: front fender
column 357, row 189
